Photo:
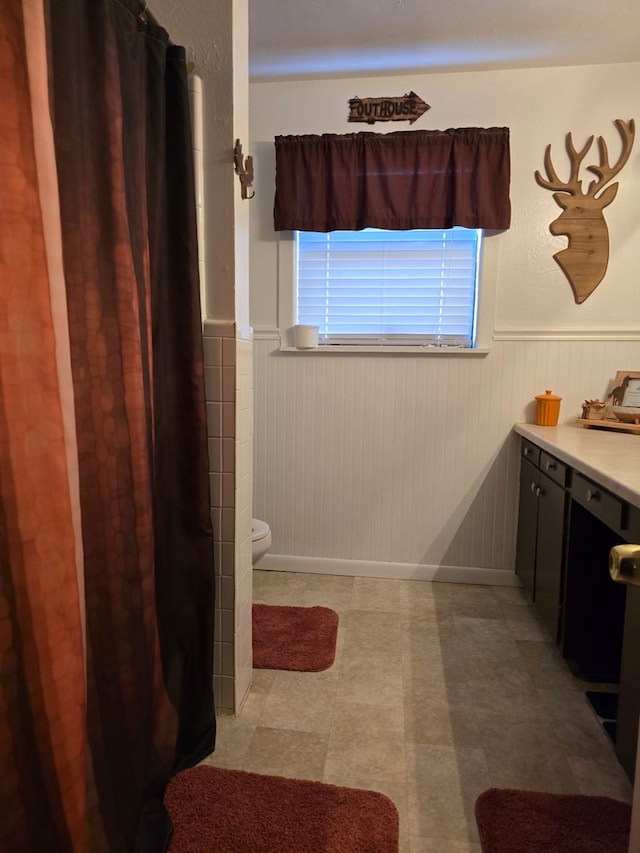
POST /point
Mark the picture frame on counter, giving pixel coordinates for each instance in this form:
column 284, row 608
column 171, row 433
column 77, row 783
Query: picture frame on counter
column 626, row 389
column 621, row 410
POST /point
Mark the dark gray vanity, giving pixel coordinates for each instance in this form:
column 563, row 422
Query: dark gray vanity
column 579, row 496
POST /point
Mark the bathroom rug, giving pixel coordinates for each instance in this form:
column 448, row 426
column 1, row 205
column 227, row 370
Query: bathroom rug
column 215, row 810
column 296, row 638
column 534, row 822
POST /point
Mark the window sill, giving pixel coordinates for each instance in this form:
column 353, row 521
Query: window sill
column 340, row 349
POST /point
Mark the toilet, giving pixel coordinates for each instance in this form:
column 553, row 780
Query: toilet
column 260, row 539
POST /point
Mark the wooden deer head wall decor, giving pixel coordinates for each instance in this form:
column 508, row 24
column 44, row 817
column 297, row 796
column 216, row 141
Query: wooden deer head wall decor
column 585, row 260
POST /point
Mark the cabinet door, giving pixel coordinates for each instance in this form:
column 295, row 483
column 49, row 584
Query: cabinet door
column 629, row 698
column 594, row 605
column 550, row 553
column 527, row 527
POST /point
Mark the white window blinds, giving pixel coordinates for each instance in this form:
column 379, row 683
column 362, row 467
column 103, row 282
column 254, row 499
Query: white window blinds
column 375, row 287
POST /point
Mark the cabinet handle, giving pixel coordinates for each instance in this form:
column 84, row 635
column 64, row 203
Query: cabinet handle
column 624, row 564
column 525, row 452
column 592, row 496
column 551, row 466
column 533, row 486
column 538, row 492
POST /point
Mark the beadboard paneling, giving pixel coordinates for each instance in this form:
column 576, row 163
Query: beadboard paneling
column 406, row 459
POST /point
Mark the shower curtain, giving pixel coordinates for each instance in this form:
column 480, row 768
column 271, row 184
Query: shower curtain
column 106, row 564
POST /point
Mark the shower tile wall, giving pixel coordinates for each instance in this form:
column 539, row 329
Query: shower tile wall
column 243, row 513
column 228, row 378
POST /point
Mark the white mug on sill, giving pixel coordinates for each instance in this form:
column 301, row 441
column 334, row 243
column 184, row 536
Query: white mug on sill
column 305, row 337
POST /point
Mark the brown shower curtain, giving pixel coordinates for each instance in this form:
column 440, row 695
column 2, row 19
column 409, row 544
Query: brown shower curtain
column 106, row 568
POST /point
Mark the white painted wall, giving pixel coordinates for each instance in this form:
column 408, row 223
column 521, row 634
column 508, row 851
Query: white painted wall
column 409, row 460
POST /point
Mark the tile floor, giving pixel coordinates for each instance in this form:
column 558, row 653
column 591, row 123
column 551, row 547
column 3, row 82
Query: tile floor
column 438, row 692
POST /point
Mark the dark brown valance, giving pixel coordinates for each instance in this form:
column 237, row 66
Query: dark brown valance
column 400, row 180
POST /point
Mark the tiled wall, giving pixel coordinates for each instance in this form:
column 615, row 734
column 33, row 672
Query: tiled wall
column 243, row 514
column 228, row 374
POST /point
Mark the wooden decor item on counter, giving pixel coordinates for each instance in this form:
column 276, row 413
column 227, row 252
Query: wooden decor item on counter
column 584, row 261
column 621, row 411
column 607, row 424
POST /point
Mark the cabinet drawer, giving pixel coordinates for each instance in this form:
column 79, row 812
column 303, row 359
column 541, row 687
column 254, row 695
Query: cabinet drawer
column 553, row 468
column 530, row 452
column 598, row 501
column 632, row 530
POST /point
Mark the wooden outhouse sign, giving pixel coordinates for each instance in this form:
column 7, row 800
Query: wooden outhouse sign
column 404, row 108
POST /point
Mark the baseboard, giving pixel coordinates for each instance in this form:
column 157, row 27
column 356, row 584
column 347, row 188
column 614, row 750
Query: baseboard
column 400, row 571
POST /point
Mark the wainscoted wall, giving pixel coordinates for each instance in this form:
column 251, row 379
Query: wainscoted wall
column 407, row 461
column 405, row 464
column 228, row 373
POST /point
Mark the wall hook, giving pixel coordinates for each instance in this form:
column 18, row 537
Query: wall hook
column 244, row 169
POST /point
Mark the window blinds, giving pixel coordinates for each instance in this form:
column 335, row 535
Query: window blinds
column 394, row 287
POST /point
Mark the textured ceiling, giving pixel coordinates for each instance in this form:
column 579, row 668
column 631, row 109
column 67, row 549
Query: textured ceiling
column 297, row 39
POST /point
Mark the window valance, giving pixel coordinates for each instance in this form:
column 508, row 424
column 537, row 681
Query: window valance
column 399, row 180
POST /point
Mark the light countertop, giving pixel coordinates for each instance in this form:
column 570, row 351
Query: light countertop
column 610, row 458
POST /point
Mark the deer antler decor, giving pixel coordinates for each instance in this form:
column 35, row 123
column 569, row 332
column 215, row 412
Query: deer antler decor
column 584, row 261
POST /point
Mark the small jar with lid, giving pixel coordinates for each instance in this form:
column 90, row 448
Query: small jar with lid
column 547, row 408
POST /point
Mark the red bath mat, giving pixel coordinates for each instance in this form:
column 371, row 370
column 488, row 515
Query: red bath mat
column 232, row 811
column 298, row 638
column 534, row 822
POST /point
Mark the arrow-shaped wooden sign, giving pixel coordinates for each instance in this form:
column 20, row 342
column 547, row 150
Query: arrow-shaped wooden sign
column 404, row 108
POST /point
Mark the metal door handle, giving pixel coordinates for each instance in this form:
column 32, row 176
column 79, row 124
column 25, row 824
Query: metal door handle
column 624, row 564
column 551, row 466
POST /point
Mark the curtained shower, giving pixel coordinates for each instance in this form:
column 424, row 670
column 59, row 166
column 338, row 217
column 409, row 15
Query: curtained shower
column 106, row 564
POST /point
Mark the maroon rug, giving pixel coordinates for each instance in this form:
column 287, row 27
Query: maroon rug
column 231, row 811
column 532, row 822
column 300, row 638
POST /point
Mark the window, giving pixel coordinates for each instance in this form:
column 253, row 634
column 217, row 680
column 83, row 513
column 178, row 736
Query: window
column 375, row 287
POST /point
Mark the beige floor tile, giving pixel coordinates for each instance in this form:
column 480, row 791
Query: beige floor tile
column 366, row 741
column 467, row 600
column 438, row 692
column 301, row 701
column 233, row 738
column 278, row 587
column 585, row 737
column 373, row 632
column 284, row 752
column 440, row 714
column 601, row 778
column 505, row 699
column 441, row 845
column 432, row 659
column 523, row 622
column 545, row 666
column 372, row 678
column 429, row 630
column 379, row 594
column 506, row 738
column 444, row 783
column 338, row 601
column 490, row 667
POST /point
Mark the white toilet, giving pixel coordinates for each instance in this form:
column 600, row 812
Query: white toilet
column 260, row 539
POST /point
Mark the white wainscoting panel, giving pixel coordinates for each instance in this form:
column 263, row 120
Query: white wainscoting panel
column 408, row 460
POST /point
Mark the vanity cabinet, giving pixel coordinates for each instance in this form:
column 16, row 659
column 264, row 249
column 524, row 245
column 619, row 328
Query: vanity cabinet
column 568, row 522
column 540, row 544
